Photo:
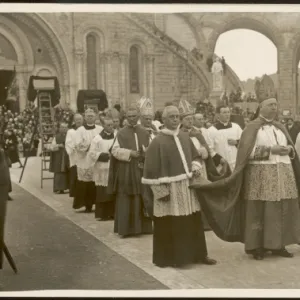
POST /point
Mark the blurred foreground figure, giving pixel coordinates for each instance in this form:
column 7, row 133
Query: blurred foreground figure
column 258, row 204
column 171, row 161
column 4, row 190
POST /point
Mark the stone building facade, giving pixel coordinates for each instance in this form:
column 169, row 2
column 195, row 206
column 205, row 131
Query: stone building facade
column 131, row 55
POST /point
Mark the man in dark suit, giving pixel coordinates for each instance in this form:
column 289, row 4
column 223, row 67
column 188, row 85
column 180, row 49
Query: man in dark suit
column 293, row 129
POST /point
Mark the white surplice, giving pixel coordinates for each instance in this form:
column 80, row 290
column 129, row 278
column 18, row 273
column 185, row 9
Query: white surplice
column 83, row 139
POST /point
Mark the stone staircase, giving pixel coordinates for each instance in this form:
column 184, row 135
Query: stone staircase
column 198, row 66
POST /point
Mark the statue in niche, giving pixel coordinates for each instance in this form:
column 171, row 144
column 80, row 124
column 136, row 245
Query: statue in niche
column 217, row 75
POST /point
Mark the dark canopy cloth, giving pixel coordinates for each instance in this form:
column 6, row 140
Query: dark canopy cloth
column 32, row 92
column 91, row 97
column 5, row 185
column 222, row 201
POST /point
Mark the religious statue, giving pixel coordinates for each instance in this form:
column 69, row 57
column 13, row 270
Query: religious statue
column 217, row 73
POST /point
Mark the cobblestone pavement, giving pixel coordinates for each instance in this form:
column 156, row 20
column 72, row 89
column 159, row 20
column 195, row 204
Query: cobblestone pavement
column 234, row 269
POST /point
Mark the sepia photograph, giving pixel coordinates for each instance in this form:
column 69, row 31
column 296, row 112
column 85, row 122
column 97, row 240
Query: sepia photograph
column 149, row 148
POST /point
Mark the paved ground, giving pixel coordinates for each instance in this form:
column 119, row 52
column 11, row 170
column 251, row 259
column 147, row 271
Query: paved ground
column 51, row 252
column 234, row 269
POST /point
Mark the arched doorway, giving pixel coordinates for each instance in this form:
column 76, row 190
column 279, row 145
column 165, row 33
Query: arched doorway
column 252, row 46
column 36, row 46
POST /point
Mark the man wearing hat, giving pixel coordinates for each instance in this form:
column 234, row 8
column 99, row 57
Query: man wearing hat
column 146, row 117
column 258, row 204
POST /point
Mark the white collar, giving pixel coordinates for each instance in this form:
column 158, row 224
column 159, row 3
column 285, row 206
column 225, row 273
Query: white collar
column 171, row 132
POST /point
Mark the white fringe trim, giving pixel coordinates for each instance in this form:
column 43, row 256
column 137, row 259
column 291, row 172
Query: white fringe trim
column 196, row 164
column 167, row 179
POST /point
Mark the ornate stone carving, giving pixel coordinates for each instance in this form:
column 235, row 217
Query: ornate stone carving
column 150, row 57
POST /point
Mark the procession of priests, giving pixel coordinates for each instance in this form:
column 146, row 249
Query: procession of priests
column 178, row 179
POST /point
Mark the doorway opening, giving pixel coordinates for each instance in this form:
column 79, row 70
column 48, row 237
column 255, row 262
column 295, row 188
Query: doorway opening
column 6, row 78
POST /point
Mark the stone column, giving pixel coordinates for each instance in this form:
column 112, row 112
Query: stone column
column 79, row 55
column 22, row 81
column 150, row 60
column 102, row 61
column 286, row 80
column 124, row 60
column 144, row 90
column 109, row 77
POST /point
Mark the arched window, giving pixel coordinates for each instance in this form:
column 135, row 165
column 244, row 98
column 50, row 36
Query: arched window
column 91, row 49
column 134, row 70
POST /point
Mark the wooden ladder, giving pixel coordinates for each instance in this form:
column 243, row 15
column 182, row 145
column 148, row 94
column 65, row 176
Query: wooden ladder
column 47, row 130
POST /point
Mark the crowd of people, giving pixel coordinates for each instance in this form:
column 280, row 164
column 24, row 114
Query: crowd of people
column 171, row 175
column 176, row 173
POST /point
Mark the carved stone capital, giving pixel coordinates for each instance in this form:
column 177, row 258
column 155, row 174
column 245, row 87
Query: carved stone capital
column 79, row 54
column 150, row 57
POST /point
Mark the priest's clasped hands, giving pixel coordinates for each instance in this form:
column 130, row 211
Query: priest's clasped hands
column 135, row 154
column 281, row 150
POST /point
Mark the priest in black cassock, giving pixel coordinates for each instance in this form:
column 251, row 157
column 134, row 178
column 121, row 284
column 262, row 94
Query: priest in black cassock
column 125, row 173
column 99, row 155
column 59, row 160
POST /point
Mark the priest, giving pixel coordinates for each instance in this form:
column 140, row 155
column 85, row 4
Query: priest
column 147, row 116
column 171, row 162
column 70, row 148
column 125, row 173
column 99, row 156
column 225, row 135
column 258, row 204
column 59, row 160
column 85, row 194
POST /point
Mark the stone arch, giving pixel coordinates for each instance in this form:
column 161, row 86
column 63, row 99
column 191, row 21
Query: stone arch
column 138, row 42
column 99, row 35
column 143, row 52
column 81, row 34
column 21, row 44
column 50, row 39
column 39, row 68
column 255, row 23
column 100, row 46
column 294, row 45
column 89, row 27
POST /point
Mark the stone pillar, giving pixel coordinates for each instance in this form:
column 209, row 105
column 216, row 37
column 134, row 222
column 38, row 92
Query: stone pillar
column 150, row 59
column 79, row 56
column 286, row 80
column 22, row 81
column 102, row 62
column 144, row 91
column 124, row 60
column 109, row 77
